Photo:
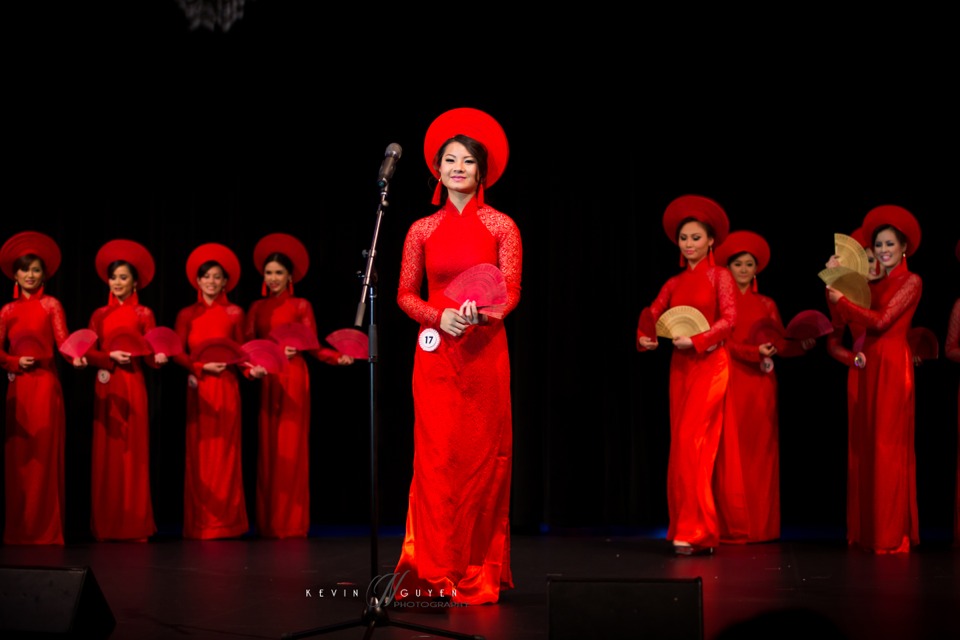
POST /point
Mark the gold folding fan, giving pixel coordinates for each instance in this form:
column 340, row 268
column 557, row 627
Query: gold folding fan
column 681, row 321
column 850, row 283
column 852, row 255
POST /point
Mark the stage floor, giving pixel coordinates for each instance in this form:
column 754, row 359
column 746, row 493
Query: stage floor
column 251, row 588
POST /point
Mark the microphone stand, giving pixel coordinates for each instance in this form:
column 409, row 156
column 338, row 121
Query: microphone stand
column 375, row 614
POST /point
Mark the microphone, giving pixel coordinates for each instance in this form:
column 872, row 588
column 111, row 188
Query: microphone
column 389, row 164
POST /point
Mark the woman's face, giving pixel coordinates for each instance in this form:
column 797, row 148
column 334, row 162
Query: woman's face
column 458, row 169
column 122, row 282
column 872, row 273
column 888, row 249
column 694, row 242
column 276, row 276
column 743, row 268
column 212, row 282
column 30, row 279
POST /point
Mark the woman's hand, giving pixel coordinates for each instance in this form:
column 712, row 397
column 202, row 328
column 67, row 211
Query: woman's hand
column 683, row 342
column 453, row 323
column 834, row 262
column 290, row 351
column 159, row 358
column 256, row 371
column 647, row 343
column 344, row 359
column 120, row 357
column 833, row 295
column 27, row 362
column 767, row 349
column 214, row 367
column 469, row 311
column 79, row 363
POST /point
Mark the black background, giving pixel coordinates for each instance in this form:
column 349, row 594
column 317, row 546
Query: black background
column 123, row 122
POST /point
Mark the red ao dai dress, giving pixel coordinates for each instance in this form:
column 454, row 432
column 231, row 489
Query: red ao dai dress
column 747, row 476
column 121, row 504
column 887, row 520
column 952, row 351
column 214, row 505
column 699, row 378
column 457, row 540
column 35, row 424
column 283, row 456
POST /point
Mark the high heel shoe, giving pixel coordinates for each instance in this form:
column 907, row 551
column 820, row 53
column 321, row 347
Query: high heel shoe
column 687, row 549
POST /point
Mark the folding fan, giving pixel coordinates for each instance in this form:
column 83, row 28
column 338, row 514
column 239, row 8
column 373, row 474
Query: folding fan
column 129, row 340
column 219, row 350
column 923, row 343
column 30, row 346
column 808, row 324
column 850, row 283
column 763, row 331
column 267, row 354
column 351, row 342
column 78, row 343
column 164, row 340
column 296, row 335
column 483, row 283
column 682, row 320
column 851, row 253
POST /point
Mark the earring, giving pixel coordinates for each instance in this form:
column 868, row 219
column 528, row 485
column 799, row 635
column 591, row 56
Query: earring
column 16, row 290
column 754, row 284
column 263, row 289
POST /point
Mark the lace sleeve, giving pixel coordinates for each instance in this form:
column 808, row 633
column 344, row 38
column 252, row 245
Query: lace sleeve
column 411, row 273
column 835, row 339
column 182, row 328
column 952, row 347
column 96, row 356
column 7, row 361
column 907, row 295
column 236, row 315
column 509, row 254
column 722, row 327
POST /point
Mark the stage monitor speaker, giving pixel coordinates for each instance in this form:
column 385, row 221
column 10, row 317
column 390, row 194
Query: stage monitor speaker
column 634, row 609
column 52, row 602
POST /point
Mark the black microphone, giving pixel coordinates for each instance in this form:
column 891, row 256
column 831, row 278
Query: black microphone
column 389, row 164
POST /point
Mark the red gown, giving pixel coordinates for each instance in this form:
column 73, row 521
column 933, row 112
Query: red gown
column 457, row 540
column 885, row 425
column 121, row 506
column 746, row 481
column 35, row 424
column 283, row 456
column 214, row 505
column 952, row 351
column 845, row 356
column 698, row 383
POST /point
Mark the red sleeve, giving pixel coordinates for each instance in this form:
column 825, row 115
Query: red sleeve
column 906, row 296
column 722, row 327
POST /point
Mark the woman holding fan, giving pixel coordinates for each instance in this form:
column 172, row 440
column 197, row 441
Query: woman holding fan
column 214, row 505
column 952, row 351
column 457, row 539
column 747, row 478
column 121, row 504
column 699, row 369
column 887, row 518
column 283, row 456
column 32, row 327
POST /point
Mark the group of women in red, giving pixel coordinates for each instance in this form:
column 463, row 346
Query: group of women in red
column 723, row 468
column 34, row 332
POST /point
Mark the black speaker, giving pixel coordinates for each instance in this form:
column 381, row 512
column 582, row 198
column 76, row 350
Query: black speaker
column 52, row 602
column 628, row 609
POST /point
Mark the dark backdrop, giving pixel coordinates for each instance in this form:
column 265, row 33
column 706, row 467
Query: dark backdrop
column 124, row 122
